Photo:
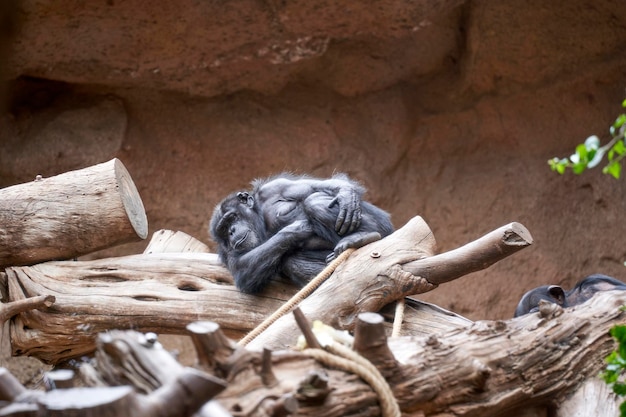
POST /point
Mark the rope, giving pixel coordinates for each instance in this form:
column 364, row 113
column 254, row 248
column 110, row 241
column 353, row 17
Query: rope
column 398, row 318
column 297, row 298
column 348, row 360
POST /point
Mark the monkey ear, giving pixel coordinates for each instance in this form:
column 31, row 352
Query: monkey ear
column 557, row 293
column 245, row 198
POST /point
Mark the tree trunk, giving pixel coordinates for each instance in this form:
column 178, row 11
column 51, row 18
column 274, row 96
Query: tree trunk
column 70, row 214
column 397, row 266
column 165, row 292
column 488, row 368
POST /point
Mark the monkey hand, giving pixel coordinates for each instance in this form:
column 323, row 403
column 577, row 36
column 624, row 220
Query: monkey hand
column 349, row 217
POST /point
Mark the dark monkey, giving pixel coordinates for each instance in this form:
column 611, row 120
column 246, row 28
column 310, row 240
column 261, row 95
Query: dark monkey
column 292, row 225
column 582, row 291
column 530, row 301
column 587, row 287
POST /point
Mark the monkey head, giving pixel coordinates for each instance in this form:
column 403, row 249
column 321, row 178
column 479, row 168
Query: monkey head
column 236, row 225
column 530, row 301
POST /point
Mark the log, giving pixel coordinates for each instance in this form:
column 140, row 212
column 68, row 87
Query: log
column 488, row 368
column 183, row 396
column 169, row 241
column 163, row 293
column 399, row 265
column 156, row 292
column 70, row 214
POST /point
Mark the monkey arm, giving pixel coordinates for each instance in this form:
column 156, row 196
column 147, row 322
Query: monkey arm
column 347, row 195
column 252, row 270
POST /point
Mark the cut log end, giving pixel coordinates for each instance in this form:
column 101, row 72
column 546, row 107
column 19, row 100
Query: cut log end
column 130, row 200
column 516, row 234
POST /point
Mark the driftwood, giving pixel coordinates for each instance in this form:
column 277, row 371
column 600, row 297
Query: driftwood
column 485, row 369
column 71, row 214
column 182, row 394
column 165, row 292
column 395, row 267
column 168, row 241
column 488, row 368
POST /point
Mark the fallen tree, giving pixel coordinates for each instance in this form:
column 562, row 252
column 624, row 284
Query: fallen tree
column 445, row 364
column 70, row 214
column 163, row 292
column 488, row 368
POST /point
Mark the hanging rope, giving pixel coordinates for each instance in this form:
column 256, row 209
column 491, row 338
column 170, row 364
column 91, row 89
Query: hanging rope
column 344, row 358
column 398, row 318
column 297, row 298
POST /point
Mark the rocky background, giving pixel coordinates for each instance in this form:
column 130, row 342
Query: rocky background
column 447, row 109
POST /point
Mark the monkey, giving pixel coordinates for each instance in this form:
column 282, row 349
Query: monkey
column 582, row 291
column 292, row 225
column 530, row 301
column 589, row 286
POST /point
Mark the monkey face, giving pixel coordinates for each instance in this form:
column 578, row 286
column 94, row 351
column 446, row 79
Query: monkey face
column 241, row 235
column 236, row 226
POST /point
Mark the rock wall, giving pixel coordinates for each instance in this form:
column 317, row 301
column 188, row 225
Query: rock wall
column 446, row 109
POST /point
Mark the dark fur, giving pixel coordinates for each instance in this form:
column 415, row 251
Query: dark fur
column 292, row 226
column 582, row 291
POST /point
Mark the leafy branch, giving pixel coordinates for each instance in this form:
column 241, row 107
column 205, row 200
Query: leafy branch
column 589, row 154
column 616, row 366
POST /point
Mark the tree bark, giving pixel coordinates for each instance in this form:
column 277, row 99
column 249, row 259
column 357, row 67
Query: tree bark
column 488, row 368
column 70, row 214
column 397, row 266
column 168, row 241
column 164, row 292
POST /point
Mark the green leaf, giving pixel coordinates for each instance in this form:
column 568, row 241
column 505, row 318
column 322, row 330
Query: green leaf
column 624, row 103
column 622, row 409
column 619, row 389
column 614, row 169
column 581, row 151
column 619, row 122
column 618, row 332
column 619, row 147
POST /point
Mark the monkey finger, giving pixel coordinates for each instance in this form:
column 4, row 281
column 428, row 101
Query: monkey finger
column 356, row 221
column 342, row 223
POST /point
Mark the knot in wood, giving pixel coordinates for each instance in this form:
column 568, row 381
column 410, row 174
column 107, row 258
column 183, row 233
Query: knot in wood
column 432, row 341
column 422, row 285
column 484, row 328
column 409, row 283
column 548, row 310
column 149, row 339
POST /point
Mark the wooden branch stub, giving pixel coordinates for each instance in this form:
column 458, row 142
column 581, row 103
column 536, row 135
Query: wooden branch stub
column 213, row 348
column 472, row 257
column 370, row 341
column 70, row 214
column 305, row 327
column 8, row 310
column 186, row 394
